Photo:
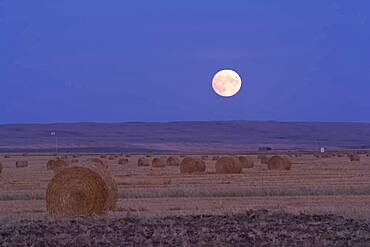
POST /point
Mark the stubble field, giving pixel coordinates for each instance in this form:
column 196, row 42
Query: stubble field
column 157, row 198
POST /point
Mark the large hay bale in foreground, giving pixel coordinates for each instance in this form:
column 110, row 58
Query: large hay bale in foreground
column 98, row 162
column 143, row 162
column 228, row 165
column 192, row 165
column 21, row 163
column 123, row 161
column 81, row 191
column 173, row 161
column 354, row 157
column 56, row 165
column 158, row 162
column 246, row 162
column 279, row 163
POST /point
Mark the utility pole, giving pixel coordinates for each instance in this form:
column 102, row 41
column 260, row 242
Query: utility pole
column 53, row 133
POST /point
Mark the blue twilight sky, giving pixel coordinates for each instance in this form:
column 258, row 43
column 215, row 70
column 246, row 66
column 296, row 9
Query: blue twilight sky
column 105, row 61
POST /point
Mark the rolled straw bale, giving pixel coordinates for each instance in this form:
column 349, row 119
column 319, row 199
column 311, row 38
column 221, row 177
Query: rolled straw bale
column 354, row 157
column 246, row 162
column 279, row 163
column 56, row 165
column 228, row 165
column 143, row 162
column 81, row 191
column 123, row 161
column 192, row 165
column 173, row 161
column 98, row 162
column 21, row 163
column 158, row 162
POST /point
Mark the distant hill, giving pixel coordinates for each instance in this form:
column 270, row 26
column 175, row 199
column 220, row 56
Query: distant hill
column 213, row 136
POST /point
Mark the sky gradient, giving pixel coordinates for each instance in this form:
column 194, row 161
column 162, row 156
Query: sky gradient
column 114, row 61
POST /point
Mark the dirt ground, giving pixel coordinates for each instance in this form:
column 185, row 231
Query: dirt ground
column 313, row 186
column 252, row 228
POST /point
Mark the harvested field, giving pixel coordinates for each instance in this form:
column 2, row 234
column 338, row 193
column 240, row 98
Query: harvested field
column 332, row 185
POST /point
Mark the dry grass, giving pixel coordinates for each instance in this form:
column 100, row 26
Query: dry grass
column 330, row 181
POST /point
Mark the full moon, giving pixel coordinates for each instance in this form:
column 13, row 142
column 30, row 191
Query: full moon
column 226, row 83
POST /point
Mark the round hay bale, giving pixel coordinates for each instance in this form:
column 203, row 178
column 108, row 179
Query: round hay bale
column 215, row 157
column 143, row 162
column 354, row 157
column 6, row 156
column 56, row 165
column 192, row 165
column 103, row 156
column 123, row 161
column 75, row 161
column 173, row 161
column 111, row 158
column 158, row 162
column 128, row 155
column 228, row 165
column 246, row 162
column 74, row 156
column 279, row 163
column 81, row 191
column 98, row 162
column 21, row 163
